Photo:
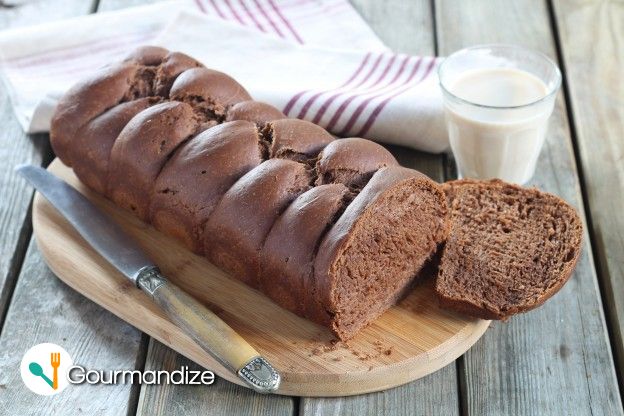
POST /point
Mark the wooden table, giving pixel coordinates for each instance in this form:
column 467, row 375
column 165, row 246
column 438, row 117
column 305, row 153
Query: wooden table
column 563, row 359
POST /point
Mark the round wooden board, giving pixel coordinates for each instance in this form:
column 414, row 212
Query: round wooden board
column 411, row 340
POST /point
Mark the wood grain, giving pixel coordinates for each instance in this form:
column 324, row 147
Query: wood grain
column 15, row 148
column 594, row 60
column 203, row 326
column 555, row 360
column 46, row 310
column 219, row 399
column 409, row 341
column 43, row 309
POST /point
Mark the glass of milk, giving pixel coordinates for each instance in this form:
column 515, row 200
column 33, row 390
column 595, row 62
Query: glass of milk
column 498, row 99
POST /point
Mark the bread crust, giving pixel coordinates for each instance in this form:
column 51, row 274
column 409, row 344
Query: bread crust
column 481, row 309
column 198, row 175
column 147, row 72
column 352, row 161
column 287, row 263
column 93, row 143
column 85, row 101
column 254, row 111
column 217, row 90
column 142, row 149
column 241, row 221
column 295, row 139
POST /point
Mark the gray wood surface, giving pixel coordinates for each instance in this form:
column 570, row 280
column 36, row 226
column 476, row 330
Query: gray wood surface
column 594, row 60
column 557, row 359
column 15, row 148
column 42, row 309
column 46, row 310
column 221, row 398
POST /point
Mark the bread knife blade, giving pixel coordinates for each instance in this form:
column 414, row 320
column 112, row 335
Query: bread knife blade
column 211, row 333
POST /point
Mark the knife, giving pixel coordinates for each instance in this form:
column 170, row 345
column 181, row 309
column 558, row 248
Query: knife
column 212, row 334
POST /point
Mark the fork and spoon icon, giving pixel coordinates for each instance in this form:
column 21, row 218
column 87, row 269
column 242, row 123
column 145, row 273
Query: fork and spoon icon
column 55, row 362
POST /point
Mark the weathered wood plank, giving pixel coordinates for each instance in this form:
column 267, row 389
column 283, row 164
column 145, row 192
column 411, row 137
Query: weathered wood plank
column 405, row 27
column 555, row 360
column 42, row 308
column 435, row 394
column 220, row 398
column 46, row 310
column 16, row 147
column 591, row 37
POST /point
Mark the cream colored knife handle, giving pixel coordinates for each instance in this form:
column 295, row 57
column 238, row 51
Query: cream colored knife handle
column 209, row 331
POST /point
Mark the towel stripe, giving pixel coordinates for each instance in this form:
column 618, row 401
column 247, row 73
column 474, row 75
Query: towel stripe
column 251, row 16
column 234, row 13
column 79, row 51
column 200, row 6
column 215, row 6
column 373, row 116
column 268, row 19
column 323, row 108
column 80, row 62
column 285, row 21
column 351, row 97
column 211, row 7
column 296, row 97
column 360, row 108
column 311, row 100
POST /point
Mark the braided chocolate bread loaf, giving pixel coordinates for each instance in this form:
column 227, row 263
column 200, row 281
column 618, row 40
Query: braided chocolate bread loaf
column 333, row 230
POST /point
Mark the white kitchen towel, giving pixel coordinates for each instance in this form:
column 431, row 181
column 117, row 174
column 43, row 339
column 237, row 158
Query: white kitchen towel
column 391, row 98
column 292, row 54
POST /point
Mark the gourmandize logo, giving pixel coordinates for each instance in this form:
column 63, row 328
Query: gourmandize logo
column 55, row 361
column 44, row 369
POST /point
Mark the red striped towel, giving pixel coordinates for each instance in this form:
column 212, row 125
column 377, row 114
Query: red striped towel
column 313, row 59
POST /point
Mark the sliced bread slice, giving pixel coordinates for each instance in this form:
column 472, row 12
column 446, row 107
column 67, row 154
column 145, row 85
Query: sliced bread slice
column 509, row 248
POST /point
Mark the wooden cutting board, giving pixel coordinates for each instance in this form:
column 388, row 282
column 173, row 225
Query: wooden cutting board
column 411, row 340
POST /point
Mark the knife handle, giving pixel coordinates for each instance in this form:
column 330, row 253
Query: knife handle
column 212, row 334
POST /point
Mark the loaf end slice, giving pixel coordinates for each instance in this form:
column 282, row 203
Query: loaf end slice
column 509, row 248
column 371, row 255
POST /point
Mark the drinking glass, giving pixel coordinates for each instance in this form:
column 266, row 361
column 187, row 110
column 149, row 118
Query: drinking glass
column 495, row 137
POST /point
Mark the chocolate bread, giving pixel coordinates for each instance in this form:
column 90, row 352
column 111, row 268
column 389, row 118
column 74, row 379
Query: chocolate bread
column 254, row 111
column 147, row 72
column 142, row 149
column 239, row 224
column 509, row 248
column 333, row 230
column 369, row 257
column 94, row 141
column 286, row 272
column 352, row 162
column 212, row 162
